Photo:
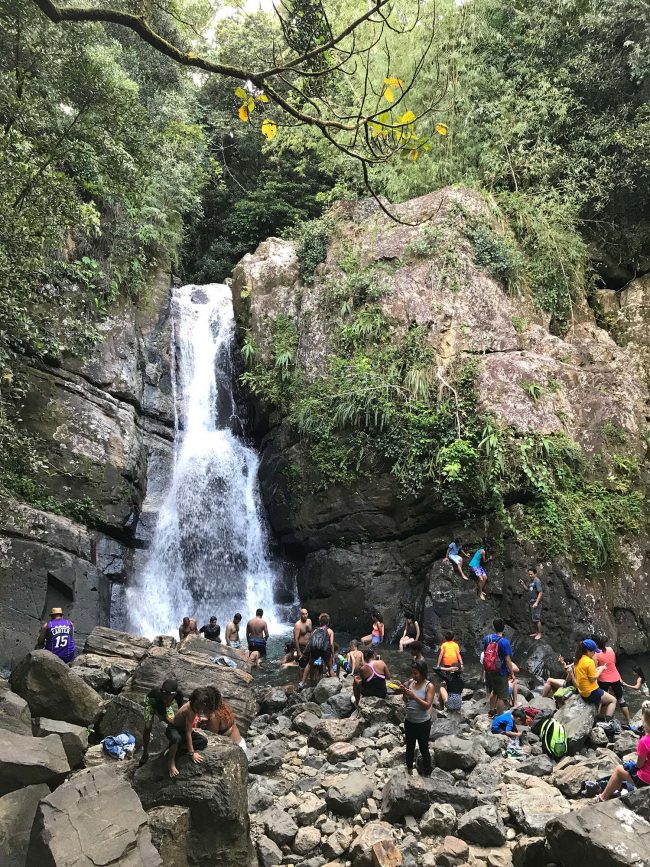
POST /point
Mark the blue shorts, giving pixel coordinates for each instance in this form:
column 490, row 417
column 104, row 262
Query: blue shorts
column 456, row 558
column 595, row 696
column 376, row 639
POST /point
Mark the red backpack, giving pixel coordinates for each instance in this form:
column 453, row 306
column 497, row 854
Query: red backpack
column 491, row 661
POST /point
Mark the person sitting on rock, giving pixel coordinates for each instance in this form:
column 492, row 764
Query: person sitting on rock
column 450, row 688
column 454, row 555
column 257, row 633
column 290, row 657
column 610, row 679
column 585, row 675
column 187, row 627
column 636, row 773
column 415, row 649
column 449, row 655
column 159, row 703
column 220, row 719
column 355, row 657
column 57, row 636
column 211, row 631
column 506, row 724
column 377, row 633
column 181, row 733
column 372, row 677
column 552, row 684
column 411, row 633
column 232, row 632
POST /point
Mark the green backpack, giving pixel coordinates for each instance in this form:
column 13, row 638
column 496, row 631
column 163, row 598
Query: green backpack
column 554, row 739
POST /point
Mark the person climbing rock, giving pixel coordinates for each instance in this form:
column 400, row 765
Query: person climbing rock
column 636, row 773
column 181, row 733
column 220, row 720
column 302, row 630
column 534, row 588
column 211, row 631
column 454, row 555
column 187, row 627
column 609, row 679
column 411, row 633
column 232, row 632
column 57, row 636
column 477, row 565
column 377, row 633
column 159, row 702
column 418, row 694
column 320, row 649
column 257, row 633
column 372, row 677
column 585, row 676
column 498, row 667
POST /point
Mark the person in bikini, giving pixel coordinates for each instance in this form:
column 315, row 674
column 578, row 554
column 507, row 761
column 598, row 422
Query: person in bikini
column 302, row 631
column 232, row 632
column 411, row 633
column 181, row 732
column 220, row 719
column 372, row 677
column 377, row 633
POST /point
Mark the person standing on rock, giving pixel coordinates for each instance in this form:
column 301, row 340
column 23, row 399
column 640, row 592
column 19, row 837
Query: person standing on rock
column 57, row 636
column 498, row 667
column 257, row 633
column 418, row 694
column 159, row 703
column 211, row 631
column 610, row 679
column 534, row 588
column 372, row 677
column 321, row 646
column 302, row 631
column 232, row 632
column 477, row 565
column 455, row 556
column 181, row 733
column 639, row 773
column 585, row 676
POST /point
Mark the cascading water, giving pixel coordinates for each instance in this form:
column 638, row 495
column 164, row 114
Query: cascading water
column 209, row 554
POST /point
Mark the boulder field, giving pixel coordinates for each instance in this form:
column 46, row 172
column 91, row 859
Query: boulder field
column 324, row 784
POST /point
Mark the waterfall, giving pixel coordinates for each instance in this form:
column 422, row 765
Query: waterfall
column 209, row 552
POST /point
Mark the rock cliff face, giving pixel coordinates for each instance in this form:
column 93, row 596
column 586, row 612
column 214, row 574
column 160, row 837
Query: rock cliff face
column 102, row 422
column 365, row 544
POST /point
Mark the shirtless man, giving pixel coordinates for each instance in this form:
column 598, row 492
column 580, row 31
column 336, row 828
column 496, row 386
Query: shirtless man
column 232, row 632
column 187, row 627
column 257, row 633
column 302, row 631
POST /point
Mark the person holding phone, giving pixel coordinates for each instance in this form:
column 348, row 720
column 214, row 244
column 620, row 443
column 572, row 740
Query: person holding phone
column 418, row 694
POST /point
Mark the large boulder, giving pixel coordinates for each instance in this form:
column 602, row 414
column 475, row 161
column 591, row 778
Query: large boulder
column 404, row 796
column 439, row 820
column 122, row 714
column 74, row 738
column 279, row 826
column 94, row 818
column 600, row 835
column 531, row 809
column 14, row 711
column 103, row 641
column 214, row 792
column 266, row 758
column 169, row 827
column 193, row 670
column 17, row 811
column 482, row 826
column 106, row 673
column 53, row 690
column 578, row 719
column 25, row 761
column 330, row 731
column 452, row 753
column 572, row 771
column 347, row 796
column 326, row 688
column 196, row 644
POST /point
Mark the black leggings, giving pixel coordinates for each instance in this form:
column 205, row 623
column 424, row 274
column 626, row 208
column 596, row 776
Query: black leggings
column 175, row 736
column 418, row 732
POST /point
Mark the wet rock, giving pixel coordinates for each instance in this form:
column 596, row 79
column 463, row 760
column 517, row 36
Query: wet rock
column 17, row 811
column 326, row 688
column 453, row 752
column 215, row 794
column 309, row 809
column 306, row 840
column 52, row 690
column 14, row 711
column 305, row 722
column 266, row 758
column 330, row 731
column 341, row 752
column 169, row 827
column 269, row 854
column 279, row 826
column 439, row 820
column 482, row 826
column 578, row 719
column 273, row 700
column 348, row 796
column 373, row 832
column 67, row 826
column 26, row 761
column 454, row 852
column 606, row 835
column 74, row 738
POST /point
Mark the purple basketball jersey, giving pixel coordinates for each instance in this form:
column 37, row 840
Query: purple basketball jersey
column 59, row 639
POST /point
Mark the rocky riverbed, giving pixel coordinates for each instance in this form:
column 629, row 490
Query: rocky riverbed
column 323, row 784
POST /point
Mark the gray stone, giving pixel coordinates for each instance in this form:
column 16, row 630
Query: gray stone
column 269, row 854
column 578, row 719
column 339, row 705
column 260, row 796
column 309, row 809
column 537, row 766
column 341, row 752
column 604, row 835
column 625, row 743
column 639, row 802
column 17, row 811
column 531, row 809
column 14, row 711
column 273, row 700
column 439, row 820
column 53, row 690
column 123, row 715
column 266, row 758
column 373, row 832
column 529, row 852
column 330, row 731
column 169, row 827
column 25, row 761
column 74, row 738
column 454, row 852
column 453, row 752
column 93, row 818
column 404, row 796
column 348, row 796
column 572, row 771
column 306, row 840
column 305, row 722
column 279, row 826
column 373, row 710
column 326, row 688
column 482, row 826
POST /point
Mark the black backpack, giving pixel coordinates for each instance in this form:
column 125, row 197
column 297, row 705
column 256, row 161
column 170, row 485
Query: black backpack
column 319, row 640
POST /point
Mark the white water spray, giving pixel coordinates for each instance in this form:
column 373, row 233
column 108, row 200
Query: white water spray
column 209, row 554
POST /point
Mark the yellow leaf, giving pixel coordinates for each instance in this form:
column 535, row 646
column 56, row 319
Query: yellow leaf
column 407, row 117
column 393, row 82
column 269, row 129
column 388, row 93
column 263, row 97
column 243, row 113
column 251, row 104
column 241, row 93
column 414, row 155
column 441, row 128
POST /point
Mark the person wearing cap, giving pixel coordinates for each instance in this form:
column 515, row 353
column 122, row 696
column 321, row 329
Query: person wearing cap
column 57, row 636
column 585, row 677
column 159, row 703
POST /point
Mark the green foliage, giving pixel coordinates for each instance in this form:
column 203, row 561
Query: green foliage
column 532, row 389
column 314, row 239
column 519, row 324
column 553, row 385
column 496, row 253
column 614, row 433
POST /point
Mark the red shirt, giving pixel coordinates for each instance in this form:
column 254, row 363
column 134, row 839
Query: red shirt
column 611, row 674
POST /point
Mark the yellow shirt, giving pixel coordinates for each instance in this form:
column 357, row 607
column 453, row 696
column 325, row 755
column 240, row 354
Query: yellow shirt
column 450, row 651
column 584, row 669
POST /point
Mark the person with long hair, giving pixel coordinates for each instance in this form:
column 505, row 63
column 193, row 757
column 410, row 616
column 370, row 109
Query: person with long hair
column 220, row 719
column 371, row 678
column 610, row 680
column 418, row 694
column 585, row 677
column 377, row 633
column 411, row 632
column 638, row 774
